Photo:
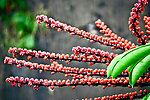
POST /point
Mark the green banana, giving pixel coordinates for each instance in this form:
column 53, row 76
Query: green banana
column 129, row 59
column 139, row 69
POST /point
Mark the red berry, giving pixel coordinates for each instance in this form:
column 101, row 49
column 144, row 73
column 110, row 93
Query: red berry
column 59, row 29
column 67, row 61
column 112, row 47
column 92, row 41
column 141, row 91
column 18, row 65
column 145, row 91
column 103, row 87
column 29, row 57
column 35, row 87
column 13, row 83
column 73, row 87
column 52, row 73
column 40, row 71
column 52, row 87
column 45, row 58
column 90, row 63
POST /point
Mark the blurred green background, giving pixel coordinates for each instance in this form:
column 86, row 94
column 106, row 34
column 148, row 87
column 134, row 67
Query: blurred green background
column 19, row 29
column 18, row 23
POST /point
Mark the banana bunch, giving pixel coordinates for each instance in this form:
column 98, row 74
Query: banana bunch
column 136, row 61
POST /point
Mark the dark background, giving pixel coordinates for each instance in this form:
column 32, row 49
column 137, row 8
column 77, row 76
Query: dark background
column 78, row 13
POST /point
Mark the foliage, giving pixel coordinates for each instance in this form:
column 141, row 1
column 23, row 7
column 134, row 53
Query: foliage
column 136, row 61
column 18, row 24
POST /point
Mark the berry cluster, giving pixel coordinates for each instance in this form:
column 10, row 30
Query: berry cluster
column 53, row 56
column 36, row 83
column 55, row 67
column 84, row 76
column 114, row 39
column 147, row 21
column 68, row 71
column 131, row 96
column 74, row 82
column 133, row 21
column 89, row 53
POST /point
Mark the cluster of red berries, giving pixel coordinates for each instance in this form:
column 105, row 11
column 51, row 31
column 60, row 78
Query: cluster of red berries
column 129, row 96
column 98, row 55
column 133, row 21
column 83, row 76
column 53, row 56
column 90, row 81
column 147, row 21
column 55, row 67
column 68, row 71
column 113, row 38
column 114, row 42
column 92, row 53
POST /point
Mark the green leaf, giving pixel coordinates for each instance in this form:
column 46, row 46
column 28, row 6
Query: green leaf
column 20, row 32
column 130, row 69
column 146, row 97
column 113, row 64
column 22, row 4
column 27, row 41
column 29, row 24
column 18, row 20
column 116, row 60
column 3, row 4
column 140, row 68
column 129, row 59
column 18, row 17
